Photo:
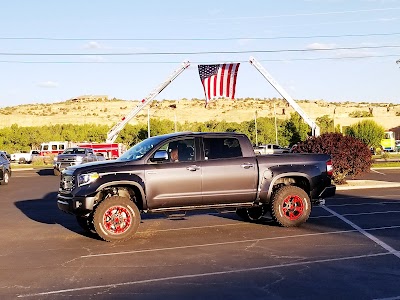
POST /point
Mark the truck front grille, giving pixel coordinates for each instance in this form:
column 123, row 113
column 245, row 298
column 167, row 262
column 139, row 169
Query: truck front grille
column 67, row 183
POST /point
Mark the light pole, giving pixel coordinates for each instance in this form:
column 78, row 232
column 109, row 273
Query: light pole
column 255, row 127
column 148, row 122
column 276, row 128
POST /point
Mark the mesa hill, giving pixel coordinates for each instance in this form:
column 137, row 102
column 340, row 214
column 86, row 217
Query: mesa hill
column 109, row 112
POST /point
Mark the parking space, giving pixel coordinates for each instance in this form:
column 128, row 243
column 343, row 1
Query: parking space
column 349, row 249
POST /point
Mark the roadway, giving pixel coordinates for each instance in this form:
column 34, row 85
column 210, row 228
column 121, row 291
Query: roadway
column 348, row 249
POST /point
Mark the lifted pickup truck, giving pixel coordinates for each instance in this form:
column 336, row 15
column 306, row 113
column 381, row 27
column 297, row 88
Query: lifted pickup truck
column 185, row 171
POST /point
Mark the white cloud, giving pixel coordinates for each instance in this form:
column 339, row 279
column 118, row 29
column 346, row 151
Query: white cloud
column 48, row 84
column 319, row 46
column 92, row 45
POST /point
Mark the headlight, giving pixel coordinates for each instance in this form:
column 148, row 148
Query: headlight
column 87, row 178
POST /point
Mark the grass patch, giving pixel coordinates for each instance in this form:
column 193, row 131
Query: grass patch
column 387, row 164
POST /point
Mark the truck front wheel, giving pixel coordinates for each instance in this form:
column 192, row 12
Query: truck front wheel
column 290, row 206
column 116, row 219
column 6, row 178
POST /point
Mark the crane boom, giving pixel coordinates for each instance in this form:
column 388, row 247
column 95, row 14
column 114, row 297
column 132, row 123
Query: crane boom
column 314, row 127
column 116, row 129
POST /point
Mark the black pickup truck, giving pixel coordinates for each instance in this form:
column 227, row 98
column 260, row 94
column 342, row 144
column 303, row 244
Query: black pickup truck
column 193, row 170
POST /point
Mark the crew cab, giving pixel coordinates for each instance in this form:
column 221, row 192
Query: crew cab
column 212, row 171
column 74, row 156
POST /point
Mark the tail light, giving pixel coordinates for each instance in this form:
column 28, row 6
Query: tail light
column 329, row 168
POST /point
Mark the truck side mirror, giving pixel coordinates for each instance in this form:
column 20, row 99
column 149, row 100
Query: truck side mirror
column 160, row 155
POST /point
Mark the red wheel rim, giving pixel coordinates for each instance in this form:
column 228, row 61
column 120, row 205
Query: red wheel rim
column 117, row 219
column 293, row 207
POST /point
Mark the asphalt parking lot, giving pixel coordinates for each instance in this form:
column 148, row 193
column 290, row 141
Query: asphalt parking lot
column 348, row 249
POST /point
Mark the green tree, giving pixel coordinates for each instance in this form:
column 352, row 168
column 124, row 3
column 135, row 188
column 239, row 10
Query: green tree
column 294, row 129
column 325, row 124
column 368, row 131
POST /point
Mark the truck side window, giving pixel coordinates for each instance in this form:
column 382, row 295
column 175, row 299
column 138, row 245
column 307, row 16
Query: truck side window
column 215, row 148
column 180, row 150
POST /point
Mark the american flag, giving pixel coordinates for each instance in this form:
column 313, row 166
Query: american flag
column 219, row 80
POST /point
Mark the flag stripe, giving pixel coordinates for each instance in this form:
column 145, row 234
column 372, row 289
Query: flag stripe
column 234, row 80
column 219, row 80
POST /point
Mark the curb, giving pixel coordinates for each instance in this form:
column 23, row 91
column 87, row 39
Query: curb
column 366, row 184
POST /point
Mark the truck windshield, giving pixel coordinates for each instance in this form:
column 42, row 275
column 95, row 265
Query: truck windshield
column 140, row 149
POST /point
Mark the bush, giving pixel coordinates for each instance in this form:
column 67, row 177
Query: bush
column 350, row 156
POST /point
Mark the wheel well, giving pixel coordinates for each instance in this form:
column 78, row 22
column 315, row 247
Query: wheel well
column 298, row 181
column 128, row 191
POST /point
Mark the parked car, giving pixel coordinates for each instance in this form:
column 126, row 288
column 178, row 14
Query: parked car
column 6, row 154
column 75, row 156
column 5, row 169
column 270, row 149
column 25, row 157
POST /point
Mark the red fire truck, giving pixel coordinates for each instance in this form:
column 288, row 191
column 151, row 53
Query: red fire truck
column 109, row 150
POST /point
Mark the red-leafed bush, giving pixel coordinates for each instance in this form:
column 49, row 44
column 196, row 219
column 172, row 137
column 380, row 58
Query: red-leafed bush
column 350, row 156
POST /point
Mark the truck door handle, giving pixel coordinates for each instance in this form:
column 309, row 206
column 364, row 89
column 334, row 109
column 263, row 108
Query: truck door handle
column 192, row 168
column 246, row 165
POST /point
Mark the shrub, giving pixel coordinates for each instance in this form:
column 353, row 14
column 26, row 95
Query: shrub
column 360, row 114
column 350, row 156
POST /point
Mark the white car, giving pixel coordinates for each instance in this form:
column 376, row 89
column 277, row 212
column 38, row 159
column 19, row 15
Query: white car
column 270, row 149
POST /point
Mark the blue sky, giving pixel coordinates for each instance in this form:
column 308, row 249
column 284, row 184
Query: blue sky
column 282, row 35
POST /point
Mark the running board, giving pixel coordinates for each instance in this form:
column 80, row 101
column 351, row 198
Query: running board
column 218, row 207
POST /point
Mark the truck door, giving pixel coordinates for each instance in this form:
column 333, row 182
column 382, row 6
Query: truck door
column 227, row 176
column 176, row 181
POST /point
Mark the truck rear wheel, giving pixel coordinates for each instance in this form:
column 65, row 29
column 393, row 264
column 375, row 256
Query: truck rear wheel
column 116, row 219
column 290, row 206
column 22, row 160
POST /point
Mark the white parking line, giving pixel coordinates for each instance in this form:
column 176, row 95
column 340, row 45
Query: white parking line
column 152, row 280
column 217, row 244
column 396, row 201
column 365, row 233
column 234, row 242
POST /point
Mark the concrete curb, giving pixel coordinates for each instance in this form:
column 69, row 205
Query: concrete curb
column 366, row 184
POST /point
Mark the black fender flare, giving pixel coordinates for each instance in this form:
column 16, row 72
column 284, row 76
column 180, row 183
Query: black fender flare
column 134, row 180
column 268, row 185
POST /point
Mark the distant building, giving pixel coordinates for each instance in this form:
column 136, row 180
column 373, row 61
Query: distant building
column 89, row 98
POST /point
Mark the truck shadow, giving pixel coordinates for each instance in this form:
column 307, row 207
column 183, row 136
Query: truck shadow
column 45, row 211
column 45, row 172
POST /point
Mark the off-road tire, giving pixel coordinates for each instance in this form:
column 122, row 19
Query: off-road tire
column 6, row 178
column 116, row 219
column 290, row 206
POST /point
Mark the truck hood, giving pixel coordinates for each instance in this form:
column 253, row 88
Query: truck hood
column 99, row 166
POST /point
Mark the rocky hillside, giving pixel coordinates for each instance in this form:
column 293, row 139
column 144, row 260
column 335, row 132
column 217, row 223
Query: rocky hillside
column 111, row 111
